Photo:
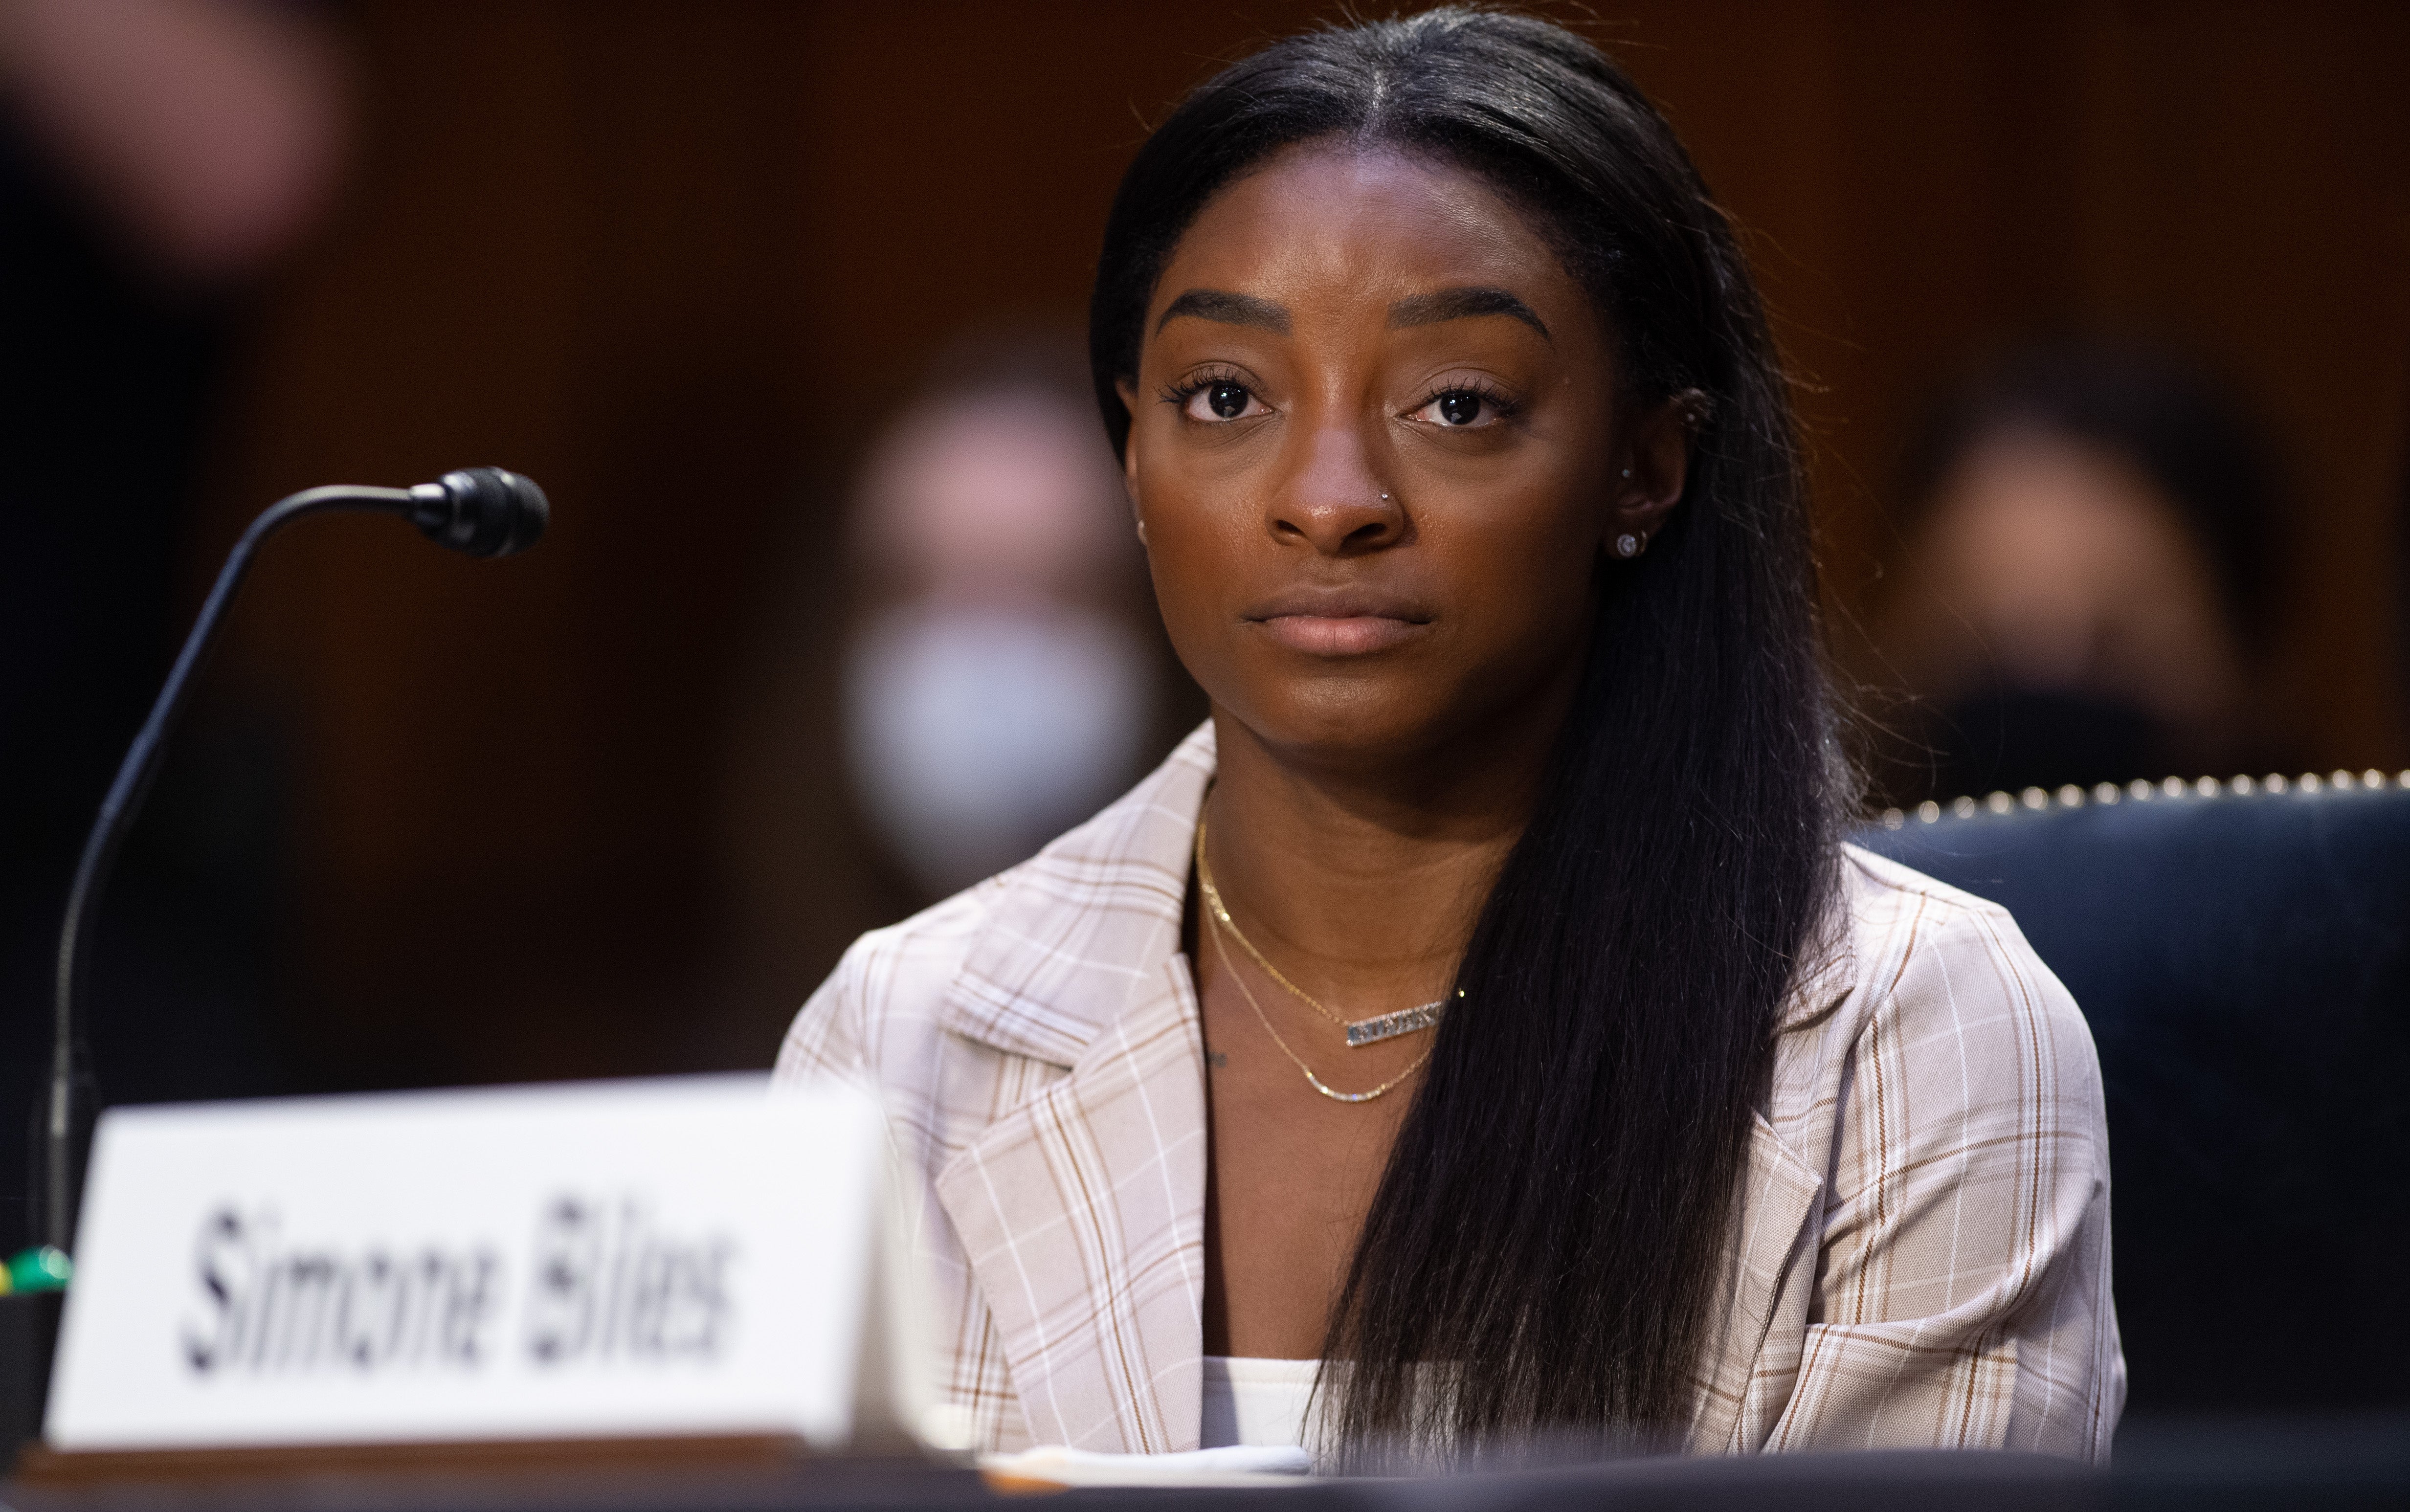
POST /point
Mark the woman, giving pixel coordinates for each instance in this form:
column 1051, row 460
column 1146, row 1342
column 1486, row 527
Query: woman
column 1482, row 1001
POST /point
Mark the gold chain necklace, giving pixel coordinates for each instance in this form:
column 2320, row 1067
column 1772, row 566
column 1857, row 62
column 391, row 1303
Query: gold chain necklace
column 1313, row 1080
column 1359, row 1032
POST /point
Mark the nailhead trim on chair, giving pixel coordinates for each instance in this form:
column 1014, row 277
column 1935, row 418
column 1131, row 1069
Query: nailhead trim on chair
column 2071, row 796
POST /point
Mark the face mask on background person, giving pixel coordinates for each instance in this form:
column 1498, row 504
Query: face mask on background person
column 993, row 698
column 976, row 733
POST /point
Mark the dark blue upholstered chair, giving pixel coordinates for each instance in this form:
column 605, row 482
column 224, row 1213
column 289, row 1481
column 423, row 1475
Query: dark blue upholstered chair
column 2243, row 954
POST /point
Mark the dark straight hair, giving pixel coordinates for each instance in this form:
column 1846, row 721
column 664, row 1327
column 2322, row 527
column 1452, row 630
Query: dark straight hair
column 1546, row 1253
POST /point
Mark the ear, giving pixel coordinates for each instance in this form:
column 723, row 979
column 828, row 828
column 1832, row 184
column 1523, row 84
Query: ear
column 1654, row 465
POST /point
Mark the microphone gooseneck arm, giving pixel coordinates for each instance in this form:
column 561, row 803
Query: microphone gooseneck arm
column 477, row 511
column 117, row 811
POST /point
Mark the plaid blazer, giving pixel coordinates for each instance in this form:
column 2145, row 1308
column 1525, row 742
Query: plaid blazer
column 1920, row 1257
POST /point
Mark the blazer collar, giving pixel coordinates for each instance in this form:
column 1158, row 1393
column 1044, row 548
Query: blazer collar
column 1086, row 927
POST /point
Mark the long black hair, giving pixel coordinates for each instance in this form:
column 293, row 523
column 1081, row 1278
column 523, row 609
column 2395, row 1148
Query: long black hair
column 1546, row 1247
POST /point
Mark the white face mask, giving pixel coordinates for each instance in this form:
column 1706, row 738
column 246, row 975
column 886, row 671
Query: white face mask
column 979, row 732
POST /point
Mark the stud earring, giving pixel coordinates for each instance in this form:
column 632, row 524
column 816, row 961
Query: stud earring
column 1384, row 498
column 1629, row 546
column 1627, row 471
column 1142, row 532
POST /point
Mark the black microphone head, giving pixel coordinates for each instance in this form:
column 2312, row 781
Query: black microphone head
column 483, row 511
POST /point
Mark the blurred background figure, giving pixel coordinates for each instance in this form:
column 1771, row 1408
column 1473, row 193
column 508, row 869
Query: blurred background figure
column 2091, row 559
column 996, row 688
column 157, row 158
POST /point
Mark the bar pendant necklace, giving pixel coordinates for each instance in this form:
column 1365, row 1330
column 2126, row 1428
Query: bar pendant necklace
column 1359, row 1032
column 1382, row 1027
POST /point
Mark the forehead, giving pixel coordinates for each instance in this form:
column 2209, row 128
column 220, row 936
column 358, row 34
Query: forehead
column 1329, row 226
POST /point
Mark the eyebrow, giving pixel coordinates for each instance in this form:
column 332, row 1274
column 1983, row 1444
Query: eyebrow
column 1459, row 304
column 1231, row 309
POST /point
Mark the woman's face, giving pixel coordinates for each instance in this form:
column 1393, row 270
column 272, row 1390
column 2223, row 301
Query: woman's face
column 1375, row 455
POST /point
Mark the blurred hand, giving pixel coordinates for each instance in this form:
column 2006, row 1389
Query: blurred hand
column 210, row 131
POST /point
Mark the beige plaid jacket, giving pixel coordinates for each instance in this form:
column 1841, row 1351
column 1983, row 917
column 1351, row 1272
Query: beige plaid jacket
column 1921, row 1256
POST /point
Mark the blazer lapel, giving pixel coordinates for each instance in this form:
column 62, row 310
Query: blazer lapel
column 1748, row 1371
column 1081, row 1211
column 1775, row 1238
column 1083, row 1216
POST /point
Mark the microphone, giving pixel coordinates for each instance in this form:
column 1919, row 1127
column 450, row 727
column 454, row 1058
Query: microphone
column 481, row 511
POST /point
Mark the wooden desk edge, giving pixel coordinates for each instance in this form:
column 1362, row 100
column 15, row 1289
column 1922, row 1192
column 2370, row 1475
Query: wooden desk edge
column 41, row 1466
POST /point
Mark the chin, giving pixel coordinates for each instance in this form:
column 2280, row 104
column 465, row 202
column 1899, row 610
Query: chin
column 1347, row 721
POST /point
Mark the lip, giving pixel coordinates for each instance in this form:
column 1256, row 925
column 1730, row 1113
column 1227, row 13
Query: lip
column 1339, row 622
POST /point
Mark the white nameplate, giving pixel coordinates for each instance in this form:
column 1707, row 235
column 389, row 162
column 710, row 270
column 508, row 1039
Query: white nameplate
column 694, row 1256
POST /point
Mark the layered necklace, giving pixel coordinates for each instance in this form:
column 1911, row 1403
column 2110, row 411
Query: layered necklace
column 1358, row 1031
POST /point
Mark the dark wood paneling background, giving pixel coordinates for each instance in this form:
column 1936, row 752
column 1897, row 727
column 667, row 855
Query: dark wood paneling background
column 582, row 813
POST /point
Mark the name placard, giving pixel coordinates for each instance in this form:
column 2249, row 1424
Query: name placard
column 694, row 1256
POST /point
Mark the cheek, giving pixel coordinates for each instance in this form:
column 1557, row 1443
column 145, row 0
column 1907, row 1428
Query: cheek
column 1524, row 622
column 1521, row 563
column 1194, row 554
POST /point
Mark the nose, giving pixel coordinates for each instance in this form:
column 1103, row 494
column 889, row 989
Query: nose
column 1334, row 500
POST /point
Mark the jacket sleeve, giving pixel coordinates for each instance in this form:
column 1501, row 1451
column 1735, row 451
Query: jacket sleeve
column 1962, row 1298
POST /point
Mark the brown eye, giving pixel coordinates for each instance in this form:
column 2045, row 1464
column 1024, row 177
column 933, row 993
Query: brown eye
column 1220, row 399
column 1463, row 409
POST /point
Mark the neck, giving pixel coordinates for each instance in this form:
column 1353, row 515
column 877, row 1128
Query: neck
column 1362, row 884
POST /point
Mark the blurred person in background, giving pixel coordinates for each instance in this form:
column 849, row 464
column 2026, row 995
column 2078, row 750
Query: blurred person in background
column 2088, row 580
column 157, row 158
column 997, row 690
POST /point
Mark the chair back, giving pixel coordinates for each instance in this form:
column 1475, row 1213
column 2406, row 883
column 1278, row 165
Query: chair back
column 2242, row 951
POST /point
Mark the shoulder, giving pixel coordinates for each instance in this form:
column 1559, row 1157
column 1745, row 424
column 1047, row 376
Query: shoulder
column 1949, row 997
column 888, row 979
column 930, row 944
column 1931, row 949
